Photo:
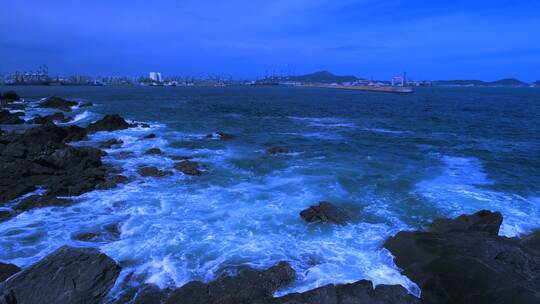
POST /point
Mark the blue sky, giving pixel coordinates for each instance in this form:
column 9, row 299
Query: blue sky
column 369, row 38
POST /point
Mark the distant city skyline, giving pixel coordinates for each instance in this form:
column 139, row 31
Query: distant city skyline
column 486, row 40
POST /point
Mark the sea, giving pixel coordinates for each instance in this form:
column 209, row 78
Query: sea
column 395, row 162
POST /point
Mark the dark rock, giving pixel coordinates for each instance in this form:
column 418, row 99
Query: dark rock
column 153, row 151
column 221, row 135
column 464, row 261
column 140, row 125
column 7, row 118
column 15, row 106
column 531, row 240
column 39, row 120
column 112, row 182
column 108, row 123
column 152, row 171
column 85, row 104
column 7, row 270
column 19, row 114
column 481, row 221
column 40, row 201
column 10, row 96
column 188, row 167
column 108, row 233
column 150, row 136
column 68, row 275
column 249, row 286
column 325, row 212
column 180, row 157
column 277, row 150
column 57, row 103
column 111, row 142
column 143, row 294
column 125, row 155
column 6, row 215
column 358, row 292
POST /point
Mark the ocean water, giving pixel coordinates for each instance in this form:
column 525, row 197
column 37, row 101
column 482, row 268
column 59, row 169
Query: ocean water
column 395, row 161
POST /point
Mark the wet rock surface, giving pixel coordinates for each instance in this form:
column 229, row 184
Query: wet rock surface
column 107, row 233
column 56, row 117
column 464, row 261
column 8, row 118
column 68, row 275
column 152, row 171
column 7, row 270
column 325, row 212
column 110, row 143
column 153, row 151
column 40, row 201
column 221, row 135
column 277, row 150
column 55, row 102
column 108, row 123
column 188, row 167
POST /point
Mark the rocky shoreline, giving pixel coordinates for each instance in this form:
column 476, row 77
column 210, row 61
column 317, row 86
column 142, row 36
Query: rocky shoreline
column 461, row 260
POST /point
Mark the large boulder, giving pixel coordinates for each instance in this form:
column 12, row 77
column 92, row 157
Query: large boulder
column 464, row 261
column 248, row 286
column 39, row 120
column 111, row 142
column 7, row 270
column 325, row 212
column 8, row 118
column 68, row 275
column 55, row 102
column 357, row 292
column 108, row 123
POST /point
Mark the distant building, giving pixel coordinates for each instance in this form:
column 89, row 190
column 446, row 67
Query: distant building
column 156, row 76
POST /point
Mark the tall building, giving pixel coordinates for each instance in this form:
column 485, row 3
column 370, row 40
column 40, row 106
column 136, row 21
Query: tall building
column 156, row 76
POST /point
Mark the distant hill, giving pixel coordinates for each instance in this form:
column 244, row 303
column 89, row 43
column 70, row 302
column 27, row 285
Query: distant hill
column 507, row 82
column 323, row 77
column 536, row 83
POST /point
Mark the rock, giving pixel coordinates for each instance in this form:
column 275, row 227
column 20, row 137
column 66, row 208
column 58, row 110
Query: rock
column 7, row 118
column 531, row 240
column 358, row 292
column 108, row 233
column 85, row 104
column 146, row 171
column 7, row 270
column 325, row 212
column 40, row 201
column 108, row 123
column 140, row 125
column 57, row 103
column 6, row 215
column 481, row 221
column 15, row 106
column 465, row 261
column 68, row 275
column 188, row 167
column 150, row 136
column 10, row 96
column 39, row 120
column 153, row 151
column 249, row 286
column 112, row 182
column 111, row 142
column 143, row 294
column 277, row 150
column 180, row 157
column 18, row 114
column 221, row 135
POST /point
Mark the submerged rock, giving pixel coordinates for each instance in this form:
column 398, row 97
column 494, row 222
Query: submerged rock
column 150, row 136
column 146, row 171
column 180, row 157
column 464, row 261
column 221, row 135
column 7, row 270
column 188, row 167
column 8, row 118
column 277, row 150
column 109, row 232
column 57, row 103
column 85, row 104
column 248, row 286
column 68, row 275
column 325, row 212
column 108, row 123
column 40, row 201
column 111, row 142
column 153, row 151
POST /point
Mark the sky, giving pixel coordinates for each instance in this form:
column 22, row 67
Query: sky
column 428, row 39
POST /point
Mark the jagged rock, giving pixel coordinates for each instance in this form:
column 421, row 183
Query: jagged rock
column 143, row 294
column 10, row 96
column 146, row 171
column 108, row 123
column 112, row 182
column 68, row 275
column 221, row 135
column 7, row 118
column 39, row 120
column 464, row 261
column 325, row 212
column 111, row 142
column 358, row 292
column 188, row 167
column 6, row 215
column 57, row 103
column 249, row 286
column 7, row 270
column 484, row 220
column 40, row 201
column 277, row 150
column 153, row 151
